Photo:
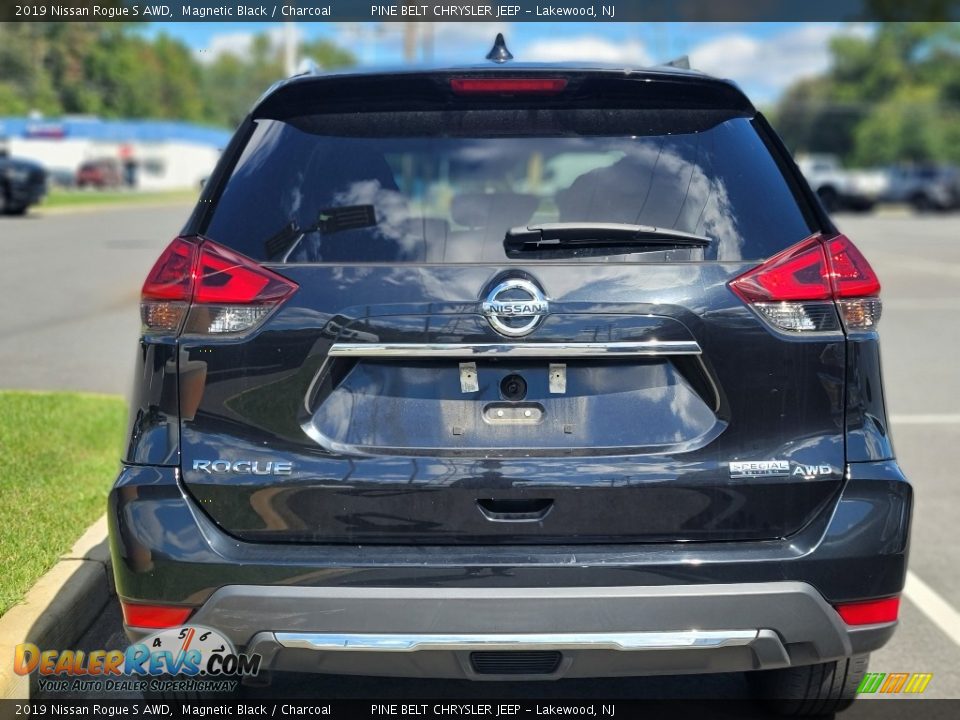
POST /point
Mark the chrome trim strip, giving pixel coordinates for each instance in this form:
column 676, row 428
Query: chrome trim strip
column 529, row 349
column 687, row 640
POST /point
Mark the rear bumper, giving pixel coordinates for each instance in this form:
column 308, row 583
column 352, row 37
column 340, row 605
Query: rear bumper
column 609, row 610
column 593, row 632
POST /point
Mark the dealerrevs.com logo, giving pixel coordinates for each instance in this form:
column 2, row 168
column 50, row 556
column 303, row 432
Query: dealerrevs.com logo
column 188, row 658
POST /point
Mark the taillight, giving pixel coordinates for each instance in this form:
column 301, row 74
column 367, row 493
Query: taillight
column 168, row 288
column 870, row 612
column 197, row 286
column 154, row 616
column 507, row 86
column 855, row 285
column 804, row 287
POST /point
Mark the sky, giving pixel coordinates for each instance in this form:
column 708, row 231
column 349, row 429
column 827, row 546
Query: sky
column 764, row 58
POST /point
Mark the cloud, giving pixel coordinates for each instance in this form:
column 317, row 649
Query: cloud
column 240, row 43
column 376, row 43
column 450, row 41
column 765, row 64
column 456, row 31
column 226, row 44
column 770, row 64
column 586, row 47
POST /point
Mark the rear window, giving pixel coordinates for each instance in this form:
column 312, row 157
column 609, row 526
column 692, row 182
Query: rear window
column 445, row 187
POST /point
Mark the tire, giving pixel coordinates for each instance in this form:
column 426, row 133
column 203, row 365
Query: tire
column 830, row 199
column 810, row 690
column 16, row 210
column 922, row 204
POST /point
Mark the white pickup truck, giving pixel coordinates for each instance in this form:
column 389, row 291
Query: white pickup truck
column 841, row 189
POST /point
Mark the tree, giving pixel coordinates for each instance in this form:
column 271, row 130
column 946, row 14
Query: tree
column 812, row 120
column 232, row 83
column 905, row 127
column 890, row 97
column 112, row 70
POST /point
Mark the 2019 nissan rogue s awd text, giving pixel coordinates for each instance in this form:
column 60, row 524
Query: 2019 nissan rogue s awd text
column 515, row 372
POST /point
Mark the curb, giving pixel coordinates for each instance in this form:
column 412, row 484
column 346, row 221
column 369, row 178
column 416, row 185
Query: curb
column 60, row 607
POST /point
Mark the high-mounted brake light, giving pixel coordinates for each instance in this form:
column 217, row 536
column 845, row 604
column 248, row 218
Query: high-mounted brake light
column 805, row 286
column 870, row 612
column 215, row 289
column 154, row 616
column 507, row 86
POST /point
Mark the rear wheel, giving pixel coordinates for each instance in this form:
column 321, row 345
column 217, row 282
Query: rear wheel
column 810, row 689
column 922, row 203
column 829, row 198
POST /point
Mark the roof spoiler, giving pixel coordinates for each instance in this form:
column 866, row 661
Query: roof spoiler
column 420, row 89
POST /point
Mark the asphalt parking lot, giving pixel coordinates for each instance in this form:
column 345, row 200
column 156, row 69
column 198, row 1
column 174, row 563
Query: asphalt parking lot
column 69, row 321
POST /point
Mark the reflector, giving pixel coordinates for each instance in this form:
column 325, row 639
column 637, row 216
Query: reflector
column 154, row 616
column 870, row 612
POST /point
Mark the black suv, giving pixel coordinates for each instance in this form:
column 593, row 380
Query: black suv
column 22, row 184
column 509, row 372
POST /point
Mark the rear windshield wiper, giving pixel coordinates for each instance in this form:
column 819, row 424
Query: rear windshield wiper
column 332, row 220
column 571, row 238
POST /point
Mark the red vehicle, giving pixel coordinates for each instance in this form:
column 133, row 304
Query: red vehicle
column 104, row 173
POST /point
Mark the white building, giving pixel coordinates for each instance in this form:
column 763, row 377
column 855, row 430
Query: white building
column 163, row 155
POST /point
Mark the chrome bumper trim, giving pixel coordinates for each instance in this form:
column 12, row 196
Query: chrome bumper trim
column 518, row 641
column 545, row 349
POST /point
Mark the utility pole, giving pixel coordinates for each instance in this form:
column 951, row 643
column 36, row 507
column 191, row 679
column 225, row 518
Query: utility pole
column 410, row 41
column 289, row 48
column 427, row 42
